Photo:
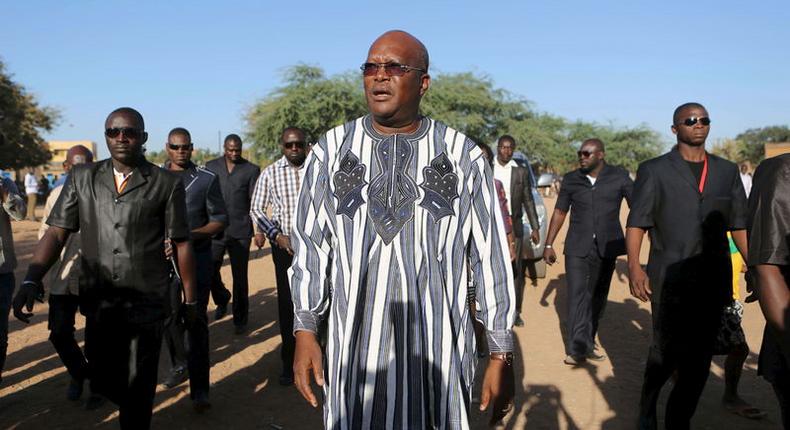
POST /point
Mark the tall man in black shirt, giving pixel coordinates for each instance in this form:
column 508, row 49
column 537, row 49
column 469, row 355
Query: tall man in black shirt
column 237, row 178
column 124, row 209
column 593, row 194
column 206, row 217
column 687, row 200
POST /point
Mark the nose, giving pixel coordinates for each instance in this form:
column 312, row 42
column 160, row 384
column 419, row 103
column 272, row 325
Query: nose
column 380, row 73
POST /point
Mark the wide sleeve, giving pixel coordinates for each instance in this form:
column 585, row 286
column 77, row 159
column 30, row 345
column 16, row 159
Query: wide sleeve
column 643, row 200
column 489, row 260
column 261, row 201
column 215, row 204
column 311, row 237
column 14, row 204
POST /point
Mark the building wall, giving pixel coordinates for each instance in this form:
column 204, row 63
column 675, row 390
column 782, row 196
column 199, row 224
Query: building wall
column 59, row 148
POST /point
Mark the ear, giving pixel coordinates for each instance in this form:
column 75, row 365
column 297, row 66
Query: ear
column 674, row 129
column 145, row 137
column 425, row 83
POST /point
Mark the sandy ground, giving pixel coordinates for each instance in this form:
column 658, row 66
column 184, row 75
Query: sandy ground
column 245, row 393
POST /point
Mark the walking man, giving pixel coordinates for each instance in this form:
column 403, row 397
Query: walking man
column 124, row 209
column 206, row 218
column 64, row 282
column 593, row 193
column 687, row 200
column 13, row 207
column 394, row 207
column 518, row 191
column 31, row 189
column 277, row 190
column 237, row 178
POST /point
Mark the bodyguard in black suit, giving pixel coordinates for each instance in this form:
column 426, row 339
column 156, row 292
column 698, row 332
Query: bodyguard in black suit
column 593, row 194
column 687, row 200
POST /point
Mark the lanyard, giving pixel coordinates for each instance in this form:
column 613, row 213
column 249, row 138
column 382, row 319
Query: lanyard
column 704, row 176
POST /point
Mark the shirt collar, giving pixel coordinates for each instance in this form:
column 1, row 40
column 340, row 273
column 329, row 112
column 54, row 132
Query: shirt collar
column 511, row 163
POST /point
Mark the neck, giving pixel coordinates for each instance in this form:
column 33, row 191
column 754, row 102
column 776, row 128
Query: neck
column 594, row 172
column 692, row 153
column 405, row 127
column 502, row 163
column 122, row 167
column 176, row 168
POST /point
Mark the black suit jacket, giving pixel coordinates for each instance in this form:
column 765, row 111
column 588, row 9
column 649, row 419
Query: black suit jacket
column 123, row 234
column 689, row 252
column 595, row 211
column 521, row 200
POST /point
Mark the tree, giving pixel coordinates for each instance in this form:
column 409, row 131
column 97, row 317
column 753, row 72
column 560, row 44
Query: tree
column 464, row 101
column 729, row 149
column 21, row 122
column 752, row 142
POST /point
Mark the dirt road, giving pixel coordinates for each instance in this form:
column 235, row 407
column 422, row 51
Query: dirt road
column 245, row 393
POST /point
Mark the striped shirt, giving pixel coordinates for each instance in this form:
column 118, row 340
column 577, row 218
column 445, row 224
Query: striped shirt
column 277, row 188
column 386, row 233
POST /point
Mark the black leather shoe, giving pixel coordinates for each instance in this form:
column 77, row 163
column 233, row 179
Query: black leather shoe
column 74, row 391
column 200, row 402
column 518, row 322
column 221, row 311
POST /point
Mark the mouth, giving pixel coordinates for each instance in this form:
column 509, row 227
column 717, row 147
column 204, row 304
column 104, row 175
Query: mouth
column 380, row 94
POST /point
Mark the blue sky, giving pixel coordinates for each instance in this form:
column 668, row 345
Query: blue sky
column 200, row 65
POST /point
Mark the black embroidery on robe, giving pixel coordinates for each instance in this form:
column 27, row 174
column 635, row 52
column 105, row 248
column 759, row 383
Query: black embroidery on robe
column 348, row 181
column 440, row 187
column 393, row 192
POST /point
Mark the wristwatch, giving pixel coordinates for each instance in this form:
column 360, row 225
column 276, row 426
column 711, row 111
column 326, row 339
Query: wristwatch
column 548, row 246
column 507, row 357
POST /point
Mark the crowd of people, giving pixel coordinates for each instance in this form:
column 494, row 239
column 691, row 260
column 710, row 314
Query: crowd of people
column 397, row 246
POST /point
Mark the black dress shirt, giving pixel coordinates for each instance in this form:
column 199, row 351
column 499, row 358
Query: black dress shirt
column 237, row 188
column 595, row 211
column 123, row 234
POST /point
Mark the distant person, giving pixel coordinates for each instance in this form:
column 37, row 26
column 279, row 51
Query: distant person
column 237, row 178
column 31, row 189
column 746, row 178
column 64, row 283
column 518, row 191
column 277, row 191
column 593, row 194
column 207, row 217
column 13, row 207
column 769, row 258
column 124, row 209
column 394, row 209
column 687, row 200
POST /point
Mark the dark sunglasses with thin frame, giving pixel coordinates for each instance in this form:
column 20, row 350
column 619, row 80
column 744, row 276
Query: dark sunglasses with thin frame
column 390, row 69
column 585, row 153
column 691, row 122
column 185, row 147
column 130, row 132
column 295, row 145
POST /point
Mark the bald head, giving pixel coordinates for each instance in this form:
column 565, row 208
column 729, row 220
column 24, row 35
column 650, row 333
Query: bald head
column 130, row 113
column 418, row 54
column 594, row 143
column 77, row 155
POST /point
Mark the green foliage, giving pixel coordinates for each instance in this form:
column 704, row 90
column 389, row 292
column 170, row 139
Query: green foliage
column 464, row 101
column 199, row 156
column 21, row 121
column 729, row 149
column 751, row 143
column 308, row 100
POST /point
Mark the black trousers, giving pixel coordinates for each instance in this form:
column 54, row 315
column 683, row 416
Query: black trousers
column 62, row 309
column 519, row 279
column 239, row 252
column 123, row 360
column 782, row 390
column 282, row 261
column 588, row 280
column 191, row 347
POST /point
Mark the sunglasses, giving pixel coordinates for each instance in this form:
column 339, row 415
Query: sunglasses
column 390, row 69
column 129, row 132
column 185, row 147
column 690, row 122
column 585, row 153
column 295, row 145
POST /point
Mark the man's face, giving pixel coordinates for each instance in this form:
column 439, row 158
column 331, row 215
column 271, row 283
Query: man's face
column 126, row 144
column 233, row 151
column 590, row 157
column 179, row 150
column 696, row 134
column 504, row 151
column 294, row 147
column 395, row 99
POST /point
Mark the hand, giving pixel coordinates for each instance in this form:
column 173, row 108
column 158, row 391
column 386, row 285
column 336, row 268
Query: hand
column 512, row 249
column 498, row 387
column 190, row 314
column 28, row 293
column 750, row 281
column 284, row 242
column 168, row 248
column 307, row 360
column 535, row 235
column 3, row 192
column 549, row 256
column 260, row 240
column 639, row 283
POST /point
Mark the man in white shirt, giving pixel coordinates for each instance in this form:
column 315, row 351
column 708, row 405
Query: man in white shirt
column 746, row 178
column 31, row 189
